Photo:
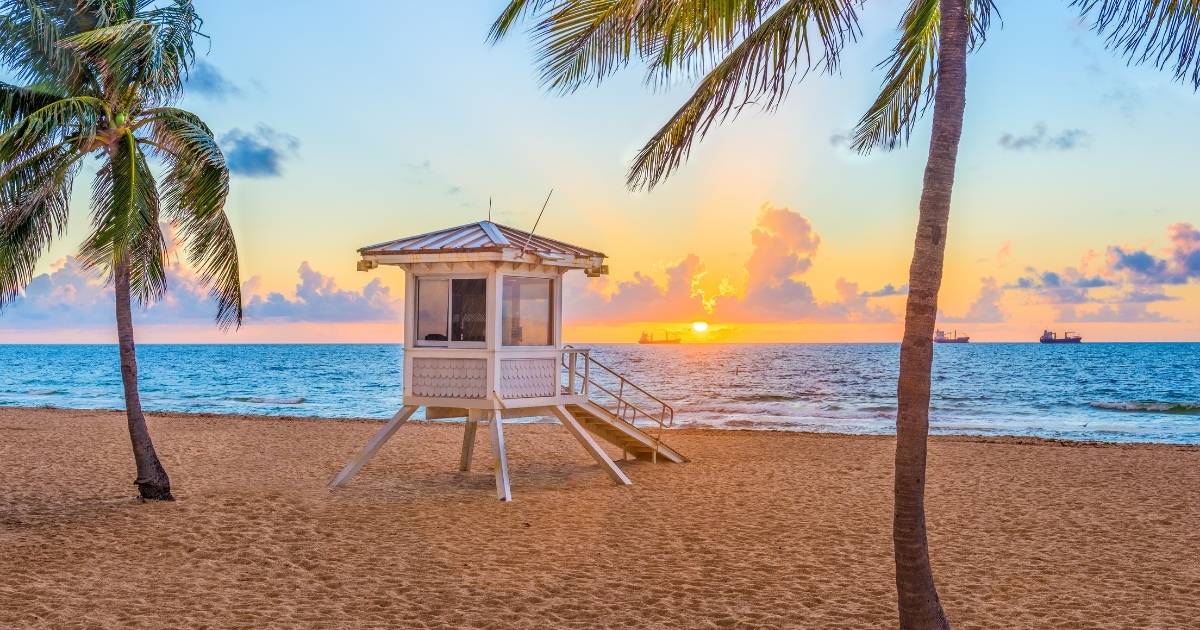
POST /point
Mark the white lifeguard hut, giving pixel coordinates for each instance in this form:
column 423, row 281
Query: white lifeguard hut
column 483, row 333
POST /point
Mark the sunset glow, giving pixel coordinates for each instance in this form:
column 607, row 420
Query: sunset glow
column 773, row 227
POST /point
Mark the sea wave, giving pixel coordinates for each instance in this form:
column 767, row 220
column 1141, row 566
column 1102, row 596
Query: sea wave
column 45, row 391
column 270, row 400
column 1148, row 406
column 763, row 398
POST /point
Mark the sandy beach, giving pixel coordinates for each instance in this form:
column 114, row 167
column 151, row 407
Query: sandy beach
column 760, row 529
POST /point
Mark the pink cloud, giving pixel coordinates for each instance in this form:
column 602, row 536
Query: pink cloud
column 784, row 247
column 317, row 298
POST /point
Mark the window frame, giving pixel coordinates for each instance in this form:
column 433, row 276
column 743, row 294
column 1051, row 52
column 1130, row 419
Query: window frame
column 552, row 337
column 450, row 277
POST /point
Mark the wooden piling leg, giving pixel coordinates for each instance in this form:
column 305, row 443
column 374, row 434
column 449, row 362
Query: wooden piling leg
column 585, row 439
column 468, row 446
column 503, row 490
column 381, row 436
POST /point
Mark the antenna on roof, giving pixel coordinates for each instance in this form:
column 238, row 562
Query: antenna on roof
column 539, row 220
column 489, row 209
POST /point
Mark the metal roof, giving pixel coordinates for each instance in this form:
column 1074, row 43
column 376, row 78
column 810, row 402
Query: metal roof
column 483, row 236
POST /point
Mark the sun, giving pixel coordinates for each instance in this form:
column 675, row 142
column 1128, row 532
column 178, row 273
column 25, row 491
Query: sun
column 699, row 326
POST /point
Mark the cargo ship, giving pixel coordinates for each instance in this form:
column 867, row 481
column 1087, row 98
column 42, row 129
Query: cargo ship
column 666, row 338
column 1068, row 337
column 940, row 337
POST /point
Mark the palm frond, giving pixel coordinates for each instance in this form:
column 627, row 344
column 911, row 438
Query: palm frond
column 18, row 102
column 125, row 222
column 176, row 24
column 29, row 35
column 194, row 189
column 1163, row 33
column 691, row 36
column 585, row 41
column 758, row 70
column 911, row 77
column 152, row 51
column 512, row 14
column 77, row 117
column 34, row 197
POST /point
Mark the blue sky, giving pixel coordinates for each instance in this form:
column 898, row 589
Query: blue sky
column 398, row 118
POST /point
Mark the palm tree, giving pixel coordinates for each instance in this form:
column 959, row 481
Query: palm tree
column 100, row 80
column 943, row 26
column 751, row 52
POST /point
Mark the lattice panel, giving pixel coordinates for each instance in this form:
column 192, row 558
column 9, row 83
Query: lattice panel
column 450, row 378
column 527, row 378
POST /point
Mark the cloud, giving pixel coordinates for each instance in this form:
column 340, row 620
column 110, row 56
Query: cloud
column 1181, row 264
column 784, row 246
column 418, row 170
column 853, row 305
column 841, row 140
column 641, row 299
column 887, row 290
column 206, row 80
column 1146, row 297
column 70, row 296
column 422, row 173
column 1119, row 313
column 318, row 299
column 1004, row 253
column 260, row 153
column 1131, row 279
column 985, row 308
column 1041, row 140
column 1124, row 96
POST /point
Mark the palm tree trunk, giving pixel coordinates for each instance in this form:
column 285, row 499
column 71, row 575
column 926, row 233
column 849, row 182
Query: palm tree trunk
column 152, row 480
column 917, row 596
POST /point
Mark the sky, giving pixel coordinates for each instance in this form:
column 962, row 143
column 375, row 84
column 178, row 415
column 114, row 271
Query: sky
column 1075, row 203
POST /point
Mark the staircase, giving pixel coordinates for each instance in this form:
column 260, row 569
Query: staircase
column 623, row 421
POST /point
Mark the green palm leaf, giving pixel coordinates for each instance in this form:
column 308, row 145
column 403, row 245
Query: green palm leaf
column 125, row 222
column 77, row 117
column 911, row 77
column 29, row 34
column 758, row 70
column 194, row 193
column 18, row 102
column 34, row 196
column 1164, row 33
column 514, row 12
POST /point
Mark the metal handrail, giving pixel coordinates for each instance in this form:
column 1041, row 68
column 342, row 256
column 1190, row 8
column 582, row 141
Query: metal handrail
column 666, row 418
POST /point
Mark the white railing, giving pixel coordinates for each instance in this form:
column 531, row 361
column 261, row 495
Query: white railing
column 625, row 399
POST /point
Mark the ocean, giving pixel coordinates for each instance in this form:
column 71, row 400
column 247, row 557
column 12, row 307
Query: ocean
column 1114, row 392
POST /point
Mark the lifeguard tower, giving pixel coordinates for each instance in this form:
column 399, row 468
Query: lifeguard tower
column 483, row 339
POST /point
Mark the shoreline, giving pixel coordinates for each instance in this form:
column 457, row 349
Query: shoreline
column 766, row 529
column 969, row 437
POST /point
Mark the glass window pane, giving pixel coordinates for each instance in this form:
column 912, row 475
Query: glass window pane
column 527, row 311
column 433, row 303
column 468, row 309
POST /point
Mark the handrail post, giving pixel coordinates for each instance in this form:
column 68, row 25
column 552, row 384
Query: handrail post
column 571, row 373
column 587, row 374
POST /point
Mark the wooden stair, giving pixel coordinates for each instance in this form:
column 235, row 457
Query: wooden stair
column 622, row 434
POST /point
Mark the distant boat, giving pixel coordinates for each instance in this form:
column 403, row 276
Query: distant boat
column 1068, row 337
column 666, row 338
column 940, row 337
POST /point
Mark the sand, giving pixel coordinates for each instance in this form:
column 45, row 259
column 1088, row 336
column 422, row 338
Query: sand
column 758, row 530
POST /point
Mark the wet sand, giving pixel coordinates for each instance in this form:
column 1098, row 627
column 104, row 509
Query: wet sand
column 760, row 529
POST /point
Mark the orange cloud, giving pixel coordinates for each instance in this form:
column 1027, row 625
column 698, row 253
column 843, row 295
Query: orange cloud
column 784, row 247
